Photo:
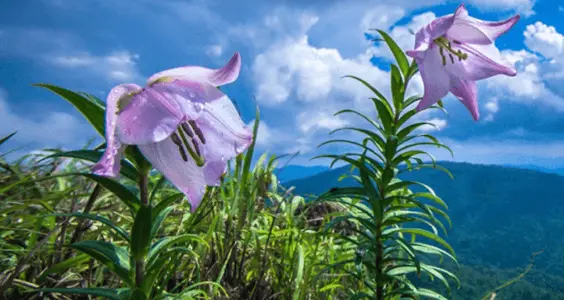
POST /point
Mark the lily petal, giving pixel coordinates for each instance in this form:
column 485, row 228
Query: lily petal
column 225, row 133
column 427, row 34
column 109, row 164
column 185, row 175
column 216, row 77
column 436, row 81
column 468, row 29
column 154, row 114
column 213, row 170
column 483, row 62
column 466, row 91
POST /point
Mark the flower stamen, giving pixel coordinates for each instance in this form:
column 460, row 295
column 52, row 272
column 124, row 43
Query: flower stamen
column 198, row 131
column 176, row 140
column 445, row 44
column 194, row 153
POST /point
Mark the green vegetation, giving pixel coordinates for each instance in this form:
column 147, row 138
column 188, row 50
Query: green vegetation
column 69, row 234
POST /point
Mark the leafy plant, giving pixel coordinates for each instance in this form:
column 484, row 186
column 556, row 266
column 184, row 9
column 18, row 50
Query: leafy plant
column 383, row 208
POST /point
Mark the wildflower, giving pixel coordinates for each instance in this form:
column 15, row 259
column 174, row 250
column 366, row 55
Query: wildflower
column 453, row 52
column 182, row 123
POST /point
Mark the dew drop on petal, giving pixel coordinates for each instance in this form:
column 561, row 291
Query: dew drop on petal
column 239, row 148
column 198, row 107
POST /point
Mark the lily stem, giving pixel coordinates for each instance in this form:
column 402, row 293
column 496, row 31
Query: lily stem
column 143, row 193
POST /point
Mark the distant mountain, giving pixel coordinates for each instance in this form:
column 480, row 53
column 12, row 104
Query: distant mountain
column 293, row 172
column 559, row 171
column 500, row 214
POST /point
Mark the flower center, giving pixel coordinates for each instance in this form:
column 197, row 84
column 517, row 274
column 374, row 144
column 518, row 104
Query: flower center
column 189, row 130
column 444, row 44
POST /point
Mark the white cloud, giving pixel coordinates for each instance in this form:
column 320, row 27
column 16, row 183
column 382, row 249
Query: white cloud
column 264, row 135
column 549, row 43
column 492, row 107
column 310, row 121
column 375, row 19
column 52, row 129
column 539, row 77
column 438, row 125
column 528, row 86
column 64, row 50
column 214, row 50
column 118, row 66
column 544, row 39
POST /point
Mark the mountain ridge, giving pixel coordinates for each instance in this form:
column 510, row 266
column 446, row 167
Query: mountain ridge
column 493, row 208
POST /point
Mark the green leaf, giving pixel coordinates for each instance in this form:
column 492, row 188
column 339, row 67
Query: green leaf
column 421, row 232
column 122, row 192
column 249, row 156
column 400, row 57
column 384, row 113
column 113, row 294
column 413, row 68
column 300, row 273
column 373, row 89
column 91, row 110
column 113, row 257
column 141, row 233
column 158, row 221
column 440, row 103
column 4, row 139
column 165, row 243
column 397, row 88
column 137, row 295
column 127, row 169
column 166, row 203
column 64, row 266
column 98, row 218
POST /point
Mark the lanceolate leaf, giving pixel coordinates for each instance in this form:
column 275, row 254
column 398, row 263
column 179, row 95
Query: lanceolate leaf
column 141, row 232
column 98, row 218
column 113, row 257
column 113, row 294
column 397, row 88
column 399, row 55
column 127, row 169
column 89, row 108
column 158, row 221
column 122, row 192
column 4, row 139
column 64, row 266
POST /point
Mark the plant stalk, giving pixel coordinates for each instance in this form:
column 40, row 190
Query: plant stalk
column 144, row 197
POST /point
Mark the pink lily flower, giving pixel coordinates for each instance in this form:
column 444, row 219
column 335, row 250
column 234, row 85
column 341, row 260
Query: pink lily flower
column 455, row 51
column 182, row 123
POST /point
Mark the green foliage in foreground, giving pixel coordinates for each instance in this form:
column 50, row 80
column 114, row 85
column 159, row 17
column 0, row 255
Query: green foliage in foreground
column 67, row 233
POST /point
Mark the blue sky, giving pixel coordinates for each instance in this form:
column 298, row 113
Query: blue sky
column 293, row 57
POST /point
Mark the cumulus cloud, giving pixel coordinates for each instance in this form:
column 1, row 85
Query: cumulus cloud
column 438, row 124
column 492, row 107
column 540, row 74
column 52, row 129
column 118, row 66
column 544, row 39
column 64, row 50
